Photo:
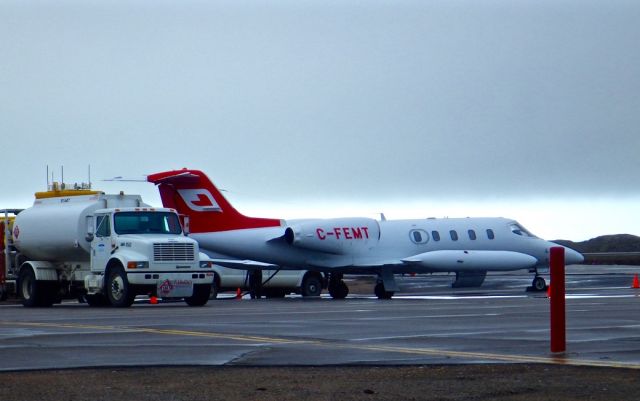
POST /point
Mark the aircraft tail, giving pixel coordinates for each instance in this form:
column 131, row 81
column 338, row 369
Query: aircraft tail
column 191, row 193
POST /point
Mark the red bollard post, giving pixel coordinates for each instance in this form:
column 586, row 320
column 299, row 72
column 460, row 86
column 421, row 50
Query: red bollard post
column 557, row 312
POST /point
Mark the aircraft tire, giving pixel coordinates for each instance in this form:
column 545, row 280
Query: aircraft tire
column 339, row 290
column 381, row 293
column 538, row 283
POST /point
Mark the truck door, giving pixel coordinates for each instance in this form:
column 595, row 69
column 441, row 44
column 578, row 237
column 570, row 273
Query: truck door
column 101, row 245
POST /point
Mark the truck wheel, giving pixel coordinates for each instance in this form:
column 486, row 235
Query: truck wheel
column 311, row 286
column 119, row 291
column 201, row 293
column 33, row 292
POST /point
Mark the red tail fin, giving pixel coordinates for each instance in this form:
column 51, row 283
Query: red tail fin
column 191, row 192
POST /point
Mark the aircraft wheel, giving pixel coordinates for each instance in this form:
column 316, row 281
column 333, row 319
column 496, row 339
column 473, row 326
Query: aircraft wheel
column 538, row 283
column 311, row 286
column 381, row 293
column 119, row 291
column 339, row 290
column 201, row 293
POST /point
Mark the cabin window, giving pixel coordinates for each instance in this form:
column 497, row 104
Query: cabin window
column 454, row 235
column 490, row 234
column 435, row 235
column 519, row 230
column 472, row 235
column 419, row 236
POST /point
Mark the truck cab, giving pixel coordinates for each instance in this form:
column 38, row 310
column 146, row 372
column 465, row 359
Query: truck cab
column 148, row 246
column 104, row 249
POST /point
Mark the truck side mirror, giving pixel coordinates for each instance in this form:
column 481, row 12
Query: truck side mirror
column 185, row 225
column 89, row 223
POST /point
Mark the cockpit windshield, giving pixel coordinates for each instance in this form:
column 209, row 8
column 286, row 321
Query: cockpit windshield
column 147, row 223
column 519, row 230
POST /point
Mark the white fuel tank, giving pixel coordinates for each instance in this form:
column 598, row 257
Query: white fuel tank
column 54, row 229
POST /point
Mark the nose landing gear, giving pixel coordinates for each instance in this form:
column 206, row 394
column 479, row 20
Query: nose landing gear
column 538, row 284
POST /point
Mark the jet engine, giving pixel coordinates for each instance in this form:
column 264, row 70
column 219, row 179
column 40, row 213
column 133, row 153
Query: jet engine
column 337, row 236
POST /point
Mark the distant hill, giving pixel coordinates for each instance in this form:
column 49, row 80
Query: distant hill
column 605, row 243
column 619, row 249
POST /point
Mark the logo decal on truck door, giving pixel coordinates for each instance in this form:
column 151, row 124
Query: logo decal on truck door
column 199, row 200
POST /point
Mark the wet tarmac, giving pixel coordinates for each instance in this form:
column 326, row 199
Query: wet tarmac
column 427, row 322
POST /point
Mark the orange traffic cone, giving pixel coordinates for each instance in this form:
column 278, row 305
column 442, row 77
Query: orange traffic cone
column 153, row 300
column 549, row 291
column 238, row 293
column 635, row 284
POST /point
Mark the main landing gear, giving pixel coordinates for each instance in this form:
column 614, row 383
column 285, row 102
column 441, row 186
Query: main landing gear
column 386, row 285
column 380, row 292
column 337, row 288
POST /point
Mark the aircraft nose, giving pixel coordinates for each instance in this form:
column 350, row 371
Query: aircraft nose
column 572, row 257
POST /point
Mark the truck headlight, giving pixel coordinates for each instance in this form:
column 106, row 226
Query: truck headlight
column 206, row 264
column 137, row 265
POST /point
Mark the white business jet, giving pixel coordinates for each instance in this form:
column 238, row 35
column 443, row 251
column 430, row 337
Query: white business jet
column 467, row 246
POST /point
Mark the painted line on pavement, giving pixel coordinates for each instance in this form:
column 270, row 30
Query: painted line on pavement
column 555, row 360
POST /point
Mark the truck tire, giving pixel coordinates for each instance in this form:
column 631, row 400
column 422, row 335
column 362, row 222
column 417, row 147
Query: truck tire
column 32, row 291
column 311, row 286
column 201, row 293
column 119, row 292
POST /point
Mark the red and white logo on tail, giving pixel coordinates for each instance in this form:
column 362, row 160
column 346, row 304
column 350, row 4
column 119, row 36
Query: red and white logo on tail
column 191, row 193
column 199, row 200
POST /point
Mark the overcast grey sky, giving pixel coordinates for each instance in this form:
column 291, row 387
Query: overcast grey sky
column 527, row 109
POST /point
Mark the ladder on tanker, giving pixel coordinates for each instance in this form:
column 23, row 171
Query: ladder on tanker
column 8, row 253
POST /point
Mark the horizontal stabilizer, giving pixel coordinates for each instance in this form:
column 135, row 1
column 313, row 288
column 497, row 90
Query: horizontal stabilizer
column 458, row 260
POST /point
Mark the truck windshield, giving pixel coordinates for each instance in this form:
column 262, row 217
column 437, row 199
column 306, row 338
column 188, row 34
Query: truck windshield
column 146, row 223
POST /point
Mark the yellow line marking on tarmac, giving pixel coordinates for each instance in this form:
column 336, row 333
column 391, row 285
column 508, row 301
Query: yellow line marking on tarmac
column 555, row 360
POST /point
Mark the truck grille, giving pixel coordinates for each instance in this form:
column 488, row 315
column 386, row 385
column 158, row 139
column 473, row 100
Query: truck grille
column 170, row 252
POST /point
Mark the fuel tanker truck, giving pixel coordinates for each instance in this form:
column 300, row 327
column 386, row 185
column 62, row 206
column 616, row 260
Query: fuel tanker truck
column 104, row 249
